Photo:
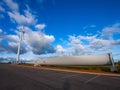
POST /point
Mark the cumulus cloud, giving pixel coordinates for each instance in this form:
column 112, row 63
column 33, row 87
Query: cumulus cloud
column 12, row 5
column 24, row 18
column 10, row 44
column 111, row 31
column 7, row 59
column 100, row 44
column 34, row 41
column 59, row 49
column 80, row 44
column 117, row 42
column 20, row 19
column 88, row 44
column 38, row 42
column 40, row 26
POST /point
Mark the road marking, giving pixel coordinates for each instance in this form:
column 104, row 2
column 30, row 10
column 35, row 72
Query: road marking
column 70, row 76
column 91, row 79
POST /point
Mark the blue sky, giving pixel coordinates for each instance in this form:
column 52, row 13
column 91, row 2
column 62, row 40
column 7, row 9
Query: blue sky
column 59, row 27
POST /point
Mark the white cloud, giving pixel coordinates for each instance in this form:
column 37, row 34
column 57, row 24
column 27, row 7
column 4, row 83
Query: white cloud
column 116, row 42
column 91, row 44
column 74, row 40
column 59, row 49
column 100, row 44
column 110, row 31
column 34, row 41
column 13, row 37
column 40, row 26
column 38, row 42
column 12, row 5
column 78, row 45
column 11, row 44
column 88, row 44
column 89, row 26
column 28, row 18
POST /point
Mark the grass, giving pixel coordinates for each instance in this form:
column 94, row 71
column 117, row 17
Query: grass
column 97, row 68
column 26, row 64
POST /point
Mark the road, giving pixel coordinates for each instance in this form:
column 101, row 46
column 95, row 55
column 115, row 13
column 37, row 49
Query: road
column 23, row 78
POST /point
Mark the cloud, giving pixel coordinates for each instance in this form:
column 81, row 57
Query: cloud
column 9, row 44
column 94, row 43
column 89, row 26
column 40, row 26
column 34, row 41
column 88, row 44
column 117, row 42
column 7, row 59
column 12, row 5
column 100, row 44
column 110, row 31
column 59, row 49
column 38, row 42
column 78, row 45
column 20, row 19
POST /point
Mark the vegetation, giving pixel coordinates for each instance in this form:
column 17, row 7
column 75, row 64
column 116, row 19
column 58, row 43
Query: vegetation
column 96, row 68
column 9, row 62
column 25, row 64
column 118, row 66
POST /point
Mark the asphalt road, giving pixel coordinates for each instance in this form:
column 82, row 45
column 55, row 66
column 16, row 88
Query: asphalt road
column 22, row 78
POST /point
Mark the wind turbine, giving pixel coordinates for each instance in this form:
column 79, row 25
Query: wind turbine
column 19, row 45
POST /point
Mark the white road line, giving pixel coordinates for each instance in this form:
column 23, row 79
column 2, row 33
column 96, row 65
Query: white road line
column 70, row 76
column 92, row 79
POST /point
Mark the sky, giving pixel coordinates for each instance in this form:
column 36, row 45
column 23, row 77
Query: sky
column 59, row 28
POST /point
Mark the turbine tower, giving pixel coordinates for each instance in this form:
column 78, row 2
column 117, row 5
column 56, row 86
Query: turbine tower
column 19, row 45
